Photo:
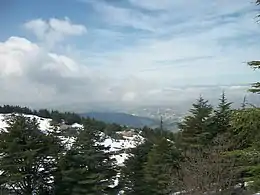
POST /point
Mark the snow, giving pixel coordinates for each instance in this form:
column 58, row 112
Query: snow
column 76, row 125
column 3, row 124
column 120, row 158
column 121, row 146
column 117, row 145
column 67, row 141
column 44, row 123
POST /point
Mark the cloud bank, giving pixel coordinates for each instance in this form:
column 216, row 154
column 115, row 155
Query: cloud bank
column 143, row 53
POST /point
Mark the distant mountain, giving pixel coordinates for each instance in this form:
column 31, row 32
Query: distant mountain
column 122, row 119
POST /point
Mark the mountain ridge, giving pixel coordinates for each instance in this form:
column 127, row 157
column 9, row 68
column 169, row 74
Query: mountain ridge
column 122, row 119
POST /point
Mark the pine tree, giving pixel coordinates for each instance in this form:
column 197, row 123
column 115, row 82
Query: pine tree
column 245, row 136
column 87, row 167
column 133, row 179
column 221, row 118
column 195, row 127
column 255, row 86
column 27, row 157
column 255, row 64
column 44, row 113
column 59, row 149
column 161, row 169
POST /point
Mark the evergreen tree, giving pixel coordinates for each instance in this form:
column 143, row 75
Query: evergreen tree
column 133, row 179
column 71, row 118
column 195, row 127
column 161, row 169
column 59, row 149
column 255, row 86
column 87, row 167
column 246, row 148
column 221, row 118
column 255, row 64
column 27, row 157
column 44, row 113
column 56, row 116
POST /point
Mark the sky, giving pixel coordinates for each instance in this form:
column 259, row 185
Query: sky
column 75, row 54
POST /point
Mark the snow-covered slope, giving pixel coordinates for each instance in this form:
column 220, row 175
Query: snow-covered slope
column 44, row 123
column 118, row 146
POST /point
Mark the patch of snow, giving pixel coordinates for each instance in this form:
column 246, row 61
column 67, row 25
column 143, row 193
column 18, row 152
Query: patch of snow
column 116, row 181
column 120, row 158
column 3, row 124
column 76, row 125
column 126, row 143
column 44, row 123
column 121, row 146
column 67, row 141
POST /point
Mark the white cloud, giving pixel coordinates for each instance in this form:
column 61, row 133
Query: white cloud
column 121, row 16
column 209, row 44
column 155, row 4
column 54, row 30
column 28, row 71
column 165, row 15
column 32, row 76
column 202, row 43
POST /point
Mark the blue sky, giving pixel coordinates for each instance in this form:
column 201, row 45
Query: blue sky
column 125, row 52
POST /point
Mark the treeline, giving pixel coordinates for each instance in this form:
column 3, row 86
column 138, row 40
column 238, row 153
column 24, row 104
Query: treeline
column 67, row 118
column 58, row 117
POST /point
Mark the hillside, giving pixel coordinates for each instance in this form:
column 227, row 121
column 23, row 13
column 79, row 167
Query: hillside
column 122, row 119
column 118, row 147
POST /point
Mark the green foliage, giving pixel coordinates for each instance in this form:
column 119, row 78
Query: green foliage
column 133, row 179
column 87, row 167
column 111, row 129
column 161, row 168
column 246, row 149
column 221, row 119
column 152, row 165
column 58, row 117
column 71, row 118
column 255, row 65
column 44, row 113
column 154, row 134
column 195, row 127
column 41, row 163
column 245, row 125
column 6, row 109
column 27, row 157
